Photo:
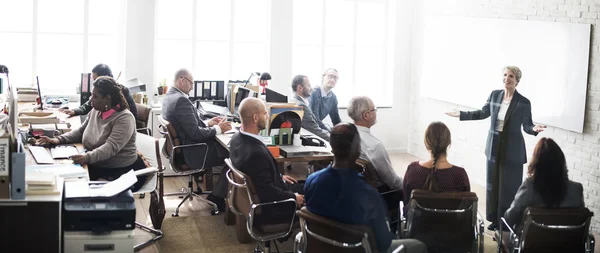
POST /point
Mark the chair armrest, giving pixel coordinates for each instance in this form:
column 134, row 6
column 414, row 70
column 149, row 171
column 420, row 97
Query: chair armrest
column 591, row 242
column 508, row 226
column 400, row 249
column 162, row 130
column 390, row 192
column 146, row 129
column 401, row 220
column 149, row 170
column 172, row 155
column 278, row 202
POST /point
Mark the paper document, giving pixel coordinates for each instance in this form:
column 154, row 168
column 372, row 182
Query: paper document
column 81, row 189
column 61, row 170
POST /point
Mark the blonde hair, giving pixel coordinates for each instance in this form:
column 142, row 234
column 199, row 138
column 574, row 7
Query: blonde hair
column 516, row 70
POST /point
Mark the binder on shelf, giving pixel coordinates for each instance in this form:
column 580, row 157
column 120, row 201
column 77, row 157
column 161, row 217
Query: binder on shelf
column 220, row 90
column 197, row 86
column 17, row 179
column 206, row 90
column 4, row 164
column 213, row 90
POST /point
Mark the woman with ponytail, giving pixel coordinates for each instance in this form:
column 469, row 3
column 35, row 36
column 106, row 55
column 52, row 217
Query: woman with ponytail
column 435, row 174
column 108, row 135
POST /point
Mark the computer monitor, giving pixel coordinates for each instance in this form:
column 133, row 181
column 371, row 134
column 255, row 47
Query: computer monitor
column 275, row 97
column 241, row 94
column 37, row 79
column 85, row 91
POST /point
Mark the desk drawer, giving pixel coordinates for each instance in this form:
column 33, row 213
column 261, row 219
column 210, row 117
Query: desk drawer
column 116, row 241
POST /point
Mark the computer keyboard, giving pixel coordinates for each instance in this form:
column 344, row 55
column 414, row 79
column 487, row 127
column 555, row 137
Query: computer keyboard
column 41, row 155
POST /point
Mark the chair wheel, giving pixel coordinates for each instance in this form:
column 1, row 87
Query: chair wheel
column 174, row 215
column 214, row 212
column 143, row 195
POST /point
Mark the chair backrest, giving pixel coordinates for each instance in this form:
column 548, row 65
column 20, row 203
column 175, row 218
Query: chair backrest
column 175, row 156
column 143, row 115
column 366, row 169
column 242, row 194
column 443, row 221
column 324, row 235
column 555, row 229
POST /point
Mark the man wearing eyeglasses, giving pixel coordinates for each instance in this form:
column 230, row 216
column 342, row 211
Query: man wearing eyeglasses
column 183, row 115
column 364, row 113
column 323, row 101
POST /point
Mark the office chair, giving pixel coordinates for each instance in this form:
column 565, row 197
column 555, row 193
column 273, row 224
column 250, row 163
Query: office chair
column 445, row 221
column 550, row 230
column 142, row 121
column 244, row 202
column 366, row 169
column 320, row 234
column 148, row 146
column 173, row 151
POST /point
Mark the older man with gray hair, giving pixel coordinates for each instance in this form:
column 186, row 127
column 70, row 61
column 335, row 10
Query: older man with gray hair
column 364, row 113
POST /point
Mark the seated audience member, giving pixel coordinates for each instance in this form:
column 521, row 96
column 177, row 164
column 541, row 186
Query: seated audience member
column 323, row 101
column 435, row 174
column 97, row 71
column 108, row 135
column 547, row 184
column 364, row 113
column 340, row 194
column 181, row 113
column 250, row 155
column 301, row 88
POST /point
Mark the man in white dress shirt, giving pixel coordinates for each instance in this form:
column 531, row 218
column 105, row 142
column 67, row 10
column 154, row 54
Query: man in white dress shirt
column 364, row 113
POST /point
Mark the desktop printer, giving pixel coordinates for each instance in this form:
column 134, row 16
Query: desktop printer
column 85, row 211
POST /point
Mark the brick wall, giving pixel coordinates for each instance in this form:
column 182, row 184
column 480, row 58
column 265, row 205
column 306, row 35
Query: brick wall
column 581, row 150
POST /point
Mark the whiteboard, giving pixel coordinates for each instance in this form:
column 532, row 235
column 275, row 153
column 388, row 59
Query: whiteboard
column 463, row 60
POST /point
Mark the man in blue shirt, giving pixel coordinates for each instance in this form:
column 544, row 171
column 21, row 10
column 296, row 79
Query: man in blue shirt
column 340, row 194
column 323, row 101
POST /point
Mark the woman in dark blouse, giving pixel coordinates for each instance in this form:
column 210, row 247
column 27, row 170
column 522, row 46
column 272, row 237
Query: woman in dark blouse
column 435, row 174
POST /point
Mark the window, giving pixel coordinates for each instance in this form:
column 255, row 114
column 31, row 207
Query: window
column 353, row 36
column 59, row 39
column 216, row 39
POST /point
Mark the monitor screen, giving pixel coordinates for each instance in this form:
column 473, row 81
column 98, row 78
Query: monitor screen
column 275, row 97
column 39, row 93
column 243, row 93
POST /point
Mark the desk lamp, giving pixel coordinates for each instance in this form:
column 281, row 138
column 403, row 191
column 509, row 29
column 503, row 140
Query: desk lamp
column 264, row 78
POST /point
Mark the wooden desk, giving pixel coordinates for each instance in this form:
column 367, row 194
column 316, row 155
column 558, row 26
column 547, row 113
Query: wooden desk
column 224, row 140
column 34, row 224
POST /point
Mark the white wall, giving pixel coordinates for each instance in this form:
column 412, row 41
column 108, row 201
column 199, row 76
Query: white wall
column 139, row 43
column 582, row 150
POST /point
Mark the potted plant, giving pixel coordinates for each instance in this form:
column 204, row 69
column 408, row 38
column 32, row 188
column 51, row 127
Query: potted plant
column 162, row 88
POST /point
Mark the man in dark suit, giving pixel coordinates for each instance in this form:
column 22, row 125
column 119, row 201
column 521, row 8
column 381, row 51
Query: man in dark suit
column 251, row 156
column 179, row 110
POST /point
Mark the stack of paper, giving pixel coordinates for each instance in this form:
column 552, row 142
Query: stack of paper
column 41, row 183
column 66, row 171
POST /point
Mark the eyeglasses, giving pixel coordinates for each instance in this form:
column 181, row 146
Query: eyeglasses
column 332, row 76
column 372, row 110
column 192, row 82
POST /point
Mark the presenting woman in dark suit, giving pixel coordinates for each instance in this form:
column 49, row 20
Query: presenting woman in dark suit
column 505, row 148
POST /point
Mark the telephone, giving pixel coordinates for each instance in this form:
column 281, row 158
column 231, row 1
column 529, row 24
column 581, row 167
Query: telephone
column 312, row 141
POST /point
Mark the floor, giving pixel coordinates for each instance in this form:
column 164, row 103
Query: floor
column 194, row 208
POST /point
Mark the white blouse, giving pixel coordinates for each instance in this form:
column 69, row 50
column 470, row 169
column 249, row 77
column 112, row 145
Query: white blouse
column 502, row 115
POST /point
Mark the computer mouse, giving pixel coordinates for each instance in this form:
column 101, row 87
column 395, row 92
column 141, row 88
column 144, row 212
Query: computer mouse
column 56, row 102
column 64, row 107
